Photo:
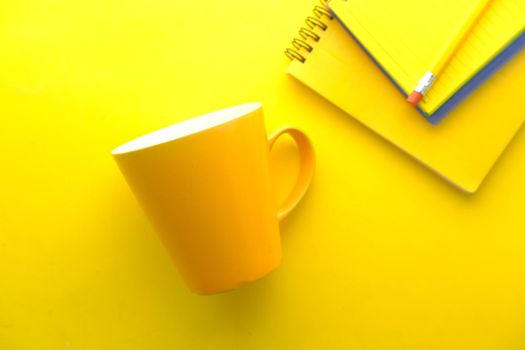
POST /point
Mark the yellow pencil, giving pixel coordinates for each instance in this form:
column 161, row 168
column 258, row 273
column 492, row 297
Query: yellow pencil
column 447, row 53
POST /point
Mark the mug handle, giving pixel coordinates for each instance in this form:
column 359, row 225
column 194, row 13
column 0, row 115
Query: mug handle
column 306, row 170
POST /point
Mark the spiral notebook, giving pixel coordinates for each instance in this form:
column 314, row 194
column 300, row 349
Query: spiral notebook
column 386, row 30
column 462, row 149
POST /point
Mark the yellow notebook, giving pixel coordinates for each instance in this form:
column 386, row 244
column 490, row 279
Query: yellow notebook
column 462, row 149
column 404, row 37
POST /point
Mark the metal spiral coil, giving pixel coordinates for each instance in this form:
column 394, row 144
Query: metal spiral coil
column 308, row 34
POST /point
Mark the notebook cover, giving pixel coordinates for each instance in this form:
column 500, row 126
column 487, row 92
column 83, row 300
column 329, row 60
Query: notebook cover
column 462, row 149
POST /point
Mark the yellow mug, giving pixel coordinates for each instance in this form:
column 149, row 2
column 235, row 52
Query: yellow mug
column 204, row 184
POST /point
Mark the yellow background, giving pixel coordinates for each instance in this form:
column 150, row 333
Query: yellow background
column 381, row 253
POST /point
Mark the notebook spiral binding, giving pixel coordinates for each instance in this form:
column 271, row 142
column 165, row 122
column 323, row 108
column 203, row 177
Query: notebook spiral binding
column 308, row 34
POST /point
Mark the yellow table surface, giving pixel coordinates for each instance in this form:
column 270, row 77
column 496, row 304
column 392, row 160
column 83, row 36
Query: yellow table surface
column 381, row 254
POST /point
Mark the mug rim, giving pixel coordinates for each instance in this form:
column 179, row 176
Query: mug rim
column 186, row 128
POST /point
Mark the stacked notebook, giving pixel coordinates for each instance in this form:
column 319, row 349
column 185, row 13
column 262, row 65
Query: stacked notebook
column 357, row 59
column 404, row 36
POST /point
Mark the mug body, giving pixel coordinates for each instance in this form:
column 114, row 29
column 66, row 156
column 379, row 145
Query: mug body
column 204, row 183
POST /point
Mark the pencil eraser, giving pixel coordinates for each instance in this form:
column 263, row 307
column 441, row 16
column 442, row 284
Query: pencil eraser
column 414, row 98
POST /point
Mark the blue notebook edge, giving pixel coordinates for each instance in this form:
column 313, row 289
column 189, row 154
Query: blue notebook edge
column 479, row 78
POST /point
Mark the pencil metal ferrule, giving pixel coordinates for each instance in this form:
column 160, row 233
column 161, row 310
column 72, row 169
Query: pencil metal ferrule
column 425, row 83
